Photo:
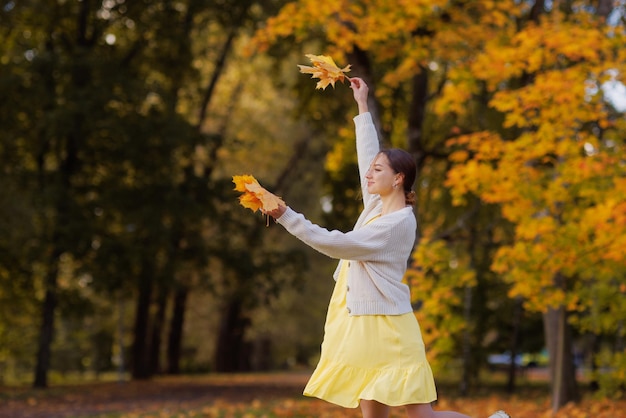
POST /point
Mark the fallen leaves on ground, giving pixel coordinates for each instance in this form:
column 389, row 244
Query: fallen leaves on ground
column 270, row 395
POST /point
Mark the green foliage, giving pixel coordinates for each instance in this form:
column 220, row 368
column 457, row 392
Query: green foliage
column 115, row 170
column 609, row 373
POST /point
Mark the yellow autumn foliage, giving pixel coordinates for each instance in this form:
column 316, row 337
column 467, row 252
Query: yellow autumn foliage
column 555, row 165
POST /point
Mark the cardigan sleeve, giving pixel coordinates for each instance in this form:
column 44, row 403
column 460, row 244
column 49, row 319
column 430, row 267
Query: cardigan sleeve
column 367, row 147
column 366, row 243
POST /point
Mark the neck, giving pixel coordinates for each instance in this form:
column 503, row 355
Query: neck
column 393, row 202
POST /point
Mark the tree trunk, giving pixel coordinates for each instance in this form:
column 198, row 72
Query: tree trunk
column 140, row 357
column 175, row 339
column 605, row 7
column 514, row 348
column 232, row 353
column 121, row 366
column 562, row 369
column 46, row 330
column 154, row 363
column 467, row 343
column 417, row 110
column 67, row 156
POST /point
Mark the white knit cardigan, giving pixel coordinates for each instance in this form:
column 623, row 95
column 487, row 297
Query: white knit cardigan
column 376, row 253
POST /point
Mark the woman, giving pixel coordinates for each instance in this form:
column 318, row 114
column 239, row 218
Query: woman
column 372, row 354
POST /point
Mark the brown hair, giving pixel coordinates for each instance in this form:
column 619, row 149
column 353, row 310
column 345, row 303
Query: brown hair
column 402, row 162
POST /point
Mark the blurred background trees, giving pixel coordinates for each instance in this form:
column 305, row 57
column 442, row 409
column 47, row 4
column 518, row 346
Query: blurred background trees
column 123, row 246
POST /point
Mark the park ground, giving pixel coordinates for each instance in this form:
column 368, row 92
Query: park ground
column 260, row 395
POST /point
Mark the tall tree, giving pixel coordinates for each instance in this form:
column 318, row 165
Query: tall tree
column 93, row 142
column 554, row 174
column 57, row 143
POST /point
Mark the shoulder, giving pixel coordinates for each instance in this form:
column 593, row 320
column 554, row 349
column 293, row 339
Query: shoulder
column 403, row 215
column 402, row 220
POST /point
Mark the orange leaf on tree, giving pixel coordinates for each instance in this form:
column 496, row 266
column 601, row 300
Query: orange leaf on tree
column 325, row 69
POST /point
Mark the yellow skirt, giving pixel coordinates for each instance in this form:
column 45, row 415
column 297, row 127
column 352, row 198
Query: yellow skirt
column 373, row 357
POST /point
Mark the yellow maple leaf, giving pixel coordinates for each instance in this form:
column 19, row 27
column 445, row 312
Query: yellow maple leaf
column 241, row 181
column 325, row 69
column 254, row 196
column 250, row 201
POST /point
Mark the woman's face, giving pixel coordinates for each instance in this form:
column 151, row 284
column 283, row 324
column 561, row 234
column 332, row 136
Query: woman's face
column 381, row 177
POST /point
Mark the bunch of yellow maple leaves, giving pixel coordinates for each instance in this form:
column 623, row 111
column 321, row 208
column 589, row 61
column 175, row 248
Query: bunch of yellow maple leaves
column 254, row 196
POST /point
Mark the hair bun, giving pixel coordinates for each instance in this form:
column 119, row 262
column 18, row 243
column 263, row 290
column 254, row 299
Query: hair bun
column 409, row 197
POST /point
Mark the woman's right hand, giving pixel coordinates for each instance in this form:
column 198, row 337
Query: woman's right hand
column 360, row 92
column 276, row 213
